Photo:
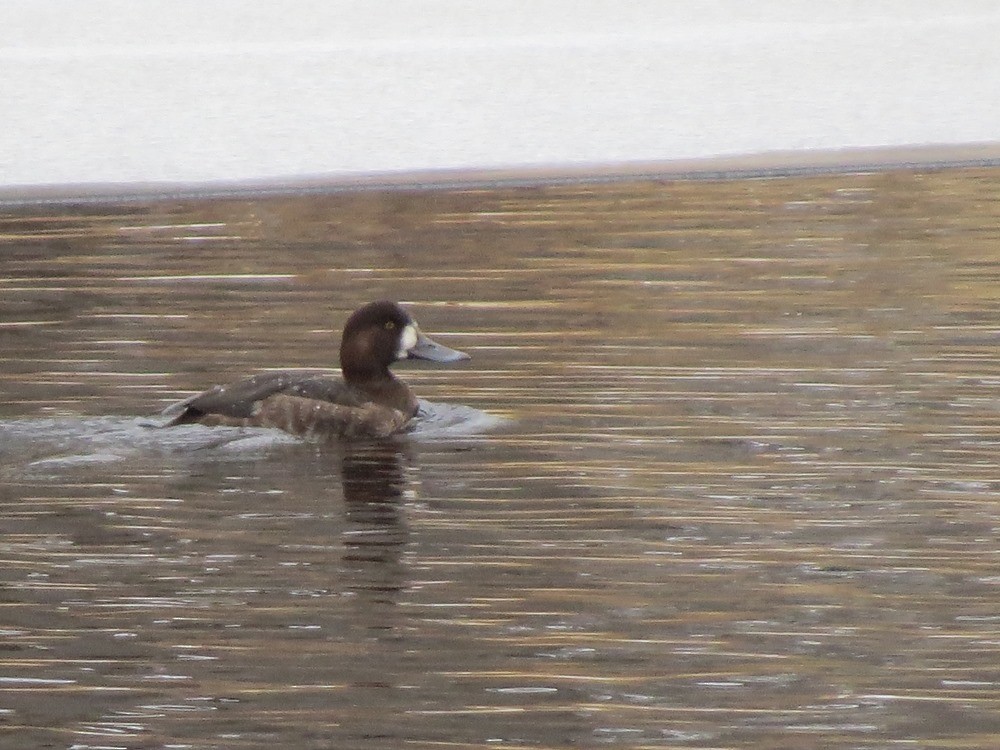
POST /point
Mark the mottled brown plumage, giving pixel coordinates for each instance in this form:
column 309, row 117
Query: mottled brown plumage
column 369, row 401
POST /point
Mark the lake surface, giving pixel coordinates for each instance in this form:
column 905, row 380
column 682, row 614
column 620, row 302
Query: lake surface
column 738, row 487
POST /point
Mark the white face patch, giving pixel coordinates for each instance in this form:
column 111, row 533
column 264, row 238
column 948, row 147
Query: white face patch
column 407, row 340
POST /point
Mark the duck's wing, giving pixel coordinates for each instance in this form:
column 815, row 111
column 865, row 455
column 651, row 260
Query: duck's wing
column 242, row 398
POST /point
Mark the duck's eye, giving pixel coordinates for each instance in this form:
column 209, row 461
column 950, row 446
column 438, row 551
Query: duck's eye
column 390, row 325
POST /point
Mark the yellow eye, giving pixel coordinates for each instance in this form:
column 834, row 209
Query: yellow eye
column 390, row 326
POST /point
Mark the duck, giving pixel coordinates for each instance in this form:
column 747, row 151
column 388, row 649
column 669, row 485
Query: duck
column 368, row 401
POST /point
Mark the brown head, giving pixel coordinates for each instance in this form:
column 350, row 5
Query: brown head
column 381, row 333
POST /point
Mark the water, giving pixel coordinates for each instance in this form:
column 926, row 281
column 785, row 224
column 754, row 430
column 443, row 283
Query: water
column 738, row 486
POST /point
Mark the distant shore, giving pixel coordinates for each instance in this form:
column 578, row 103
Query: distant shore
column 751, row 166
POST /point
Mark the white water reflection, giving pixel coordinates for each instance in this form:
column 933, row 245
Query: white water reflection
column 743, row 490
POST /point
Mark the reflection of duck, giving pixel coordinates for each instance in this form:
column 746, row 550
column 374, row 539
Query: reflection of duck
column 374, row 484
column 368, row 402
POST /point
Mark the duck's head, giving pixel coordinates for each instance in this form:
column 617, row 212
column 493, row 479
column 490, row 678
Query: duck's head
column 381, row 333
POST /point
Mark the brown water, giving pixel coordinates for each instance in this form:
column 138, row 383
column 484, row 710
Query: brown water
column 745, row 493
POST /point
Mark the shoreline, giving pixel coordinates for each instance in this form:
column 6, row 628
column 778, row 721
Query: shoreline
column 767, row 165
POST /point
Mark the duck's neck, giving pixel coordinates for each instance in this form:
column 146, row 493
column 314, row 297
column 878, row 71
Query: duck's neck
column 384, row 389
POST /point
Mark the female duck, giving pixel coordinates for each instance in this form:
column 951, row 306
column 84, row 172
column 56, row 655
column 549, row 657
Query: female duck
column 368, row 402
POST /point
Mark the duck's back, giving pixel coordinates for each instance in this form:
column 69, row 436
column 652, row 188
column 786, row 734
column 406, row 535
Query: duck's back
column 242, row 399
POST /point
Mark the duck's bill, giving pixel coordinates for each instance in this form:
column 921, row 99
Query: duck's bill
column 425, row 348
